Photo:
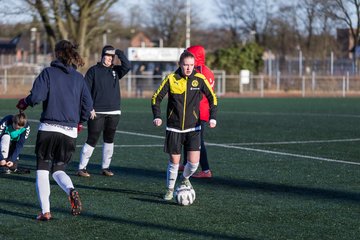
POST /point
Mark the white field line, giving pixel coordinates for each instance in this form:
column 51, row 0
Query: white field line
column 295, row 142
column 117, row 146
column 240, row 148
column 283, row 154
column 140, row 134
column 296, row 114
column 306, row 114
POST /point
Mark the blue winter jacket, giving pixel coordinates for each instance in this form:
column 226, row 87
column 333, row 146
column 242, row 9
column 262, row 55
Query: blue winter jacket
column 64, row 93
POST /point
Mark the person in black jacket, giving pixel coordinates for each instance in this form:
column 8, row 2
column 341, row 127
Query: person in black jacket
column 14, row 131
column 103, row 82
column 185, row 88
column 66, row 103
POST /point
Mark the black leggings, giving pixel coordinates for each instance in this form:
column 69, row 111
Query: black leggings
column 204, row 163
column 105, row 123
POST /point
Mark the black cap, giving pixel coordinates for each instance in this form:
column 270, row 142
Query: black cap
column 108, row 50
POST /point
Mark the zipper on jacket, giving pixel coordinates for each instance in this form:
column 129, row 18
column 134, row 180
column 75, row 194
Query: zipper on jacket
column 183, row 122
column 172, row 110
column 195, row 115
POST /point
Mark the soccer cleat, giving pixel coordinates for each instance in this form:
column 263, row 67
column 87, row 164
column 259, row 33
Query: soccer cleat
column 181, row 168
column 203, row 174
column 20, row 171
column 169, row 194
column 107, row 172
column 74, row 199
column 83, row 173
column 186, row 182
column 5, row 170
column 44, row 216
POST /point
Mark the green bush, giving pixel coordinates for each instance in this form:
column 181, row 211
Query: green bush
column 233, row 59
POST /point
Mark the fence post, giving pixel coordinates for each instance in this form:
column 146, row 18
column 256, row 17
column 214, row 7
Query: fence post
column 5, row 81
column 300, row 63
column 218, row 84
column 129, row 84
column 332, row 63
column 303, row 86
column 343, row 87
column 347, row 82
column 262, row 86
column 313, row 81
column 240, row 84
column 223, row 74
column 278, row 81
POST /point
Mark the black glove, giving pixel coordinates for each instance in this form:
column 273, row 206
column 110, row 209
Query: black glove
column 118, row 52
column 22, row 105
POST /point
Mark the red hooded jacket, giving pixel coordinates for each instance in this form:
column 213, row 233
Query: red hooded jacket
column 199, row 53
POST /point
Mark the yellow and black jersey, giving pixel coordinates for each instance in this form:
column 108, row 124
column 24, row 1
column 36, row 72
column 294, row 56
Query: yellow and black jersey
column 184, row 95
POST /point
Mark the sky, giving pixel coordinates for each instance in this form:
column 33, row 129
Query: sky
column 205, row 8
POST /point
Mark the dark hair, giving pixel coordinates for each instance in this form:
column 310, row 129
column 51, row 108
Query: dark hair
column 184, row 55
column 66, row 52
column 20, row 119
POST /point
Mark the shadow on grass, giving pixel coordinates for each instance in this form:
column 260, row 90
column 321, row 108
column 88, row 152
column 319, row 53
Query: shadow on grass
column 120, row 190
column 160, row 201
column 17, row 214
column 265, row 187
column 224, row 183
column 95, row 169
column 164, row 228
column 136, row 224
column 243, row 184
column 17, row 203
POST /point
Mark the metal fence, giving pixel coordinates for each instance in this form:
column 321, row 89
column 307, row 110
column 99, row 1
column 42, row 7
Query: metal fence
column 301, row 65
column 292, row 85
column 144, row 85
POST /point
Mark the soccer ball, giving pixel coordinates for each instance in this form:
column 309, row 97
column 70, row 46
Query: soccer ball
column 184, row 195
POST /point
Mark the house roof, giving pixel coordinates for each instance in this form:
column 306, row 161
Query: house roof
column 7, row 46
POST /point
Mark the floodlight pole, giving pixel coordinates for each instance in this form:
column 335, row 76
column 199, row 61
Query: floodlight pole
column 105, row 36
column 300, row 63
column 33, row 45
column 188, row 12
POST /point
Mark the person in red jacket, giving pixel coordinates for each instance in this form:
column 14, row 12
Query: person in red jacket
column 199, row 52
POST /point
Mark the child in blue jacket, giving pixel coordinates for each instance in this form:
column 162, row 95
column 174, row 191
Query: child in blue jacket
column 14, row 130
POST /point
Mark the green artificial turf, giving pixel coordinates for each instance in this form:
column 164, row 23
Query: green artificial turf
column 283, row 168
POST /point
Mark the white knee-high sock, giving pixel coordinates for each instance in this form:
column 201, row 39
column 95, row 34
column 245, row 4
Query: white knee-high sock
column 190, row 169
column 5, row 145
column 85, row 155
column 63, row 180
column 43, row 189
column 108, row 151
column 171, row 175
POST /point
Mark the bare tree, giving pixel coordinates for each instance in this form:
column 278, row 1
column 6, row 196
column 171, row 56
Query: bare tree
column 309, row 15
column 348, row 12
column 168, row 21
column 249, row 18
column 314, row 25
column 283, row 33
column 76, row 20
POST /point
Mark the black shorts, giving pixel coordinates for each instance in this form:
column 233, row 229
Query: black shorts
column 53, row 150
column 174, row 141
